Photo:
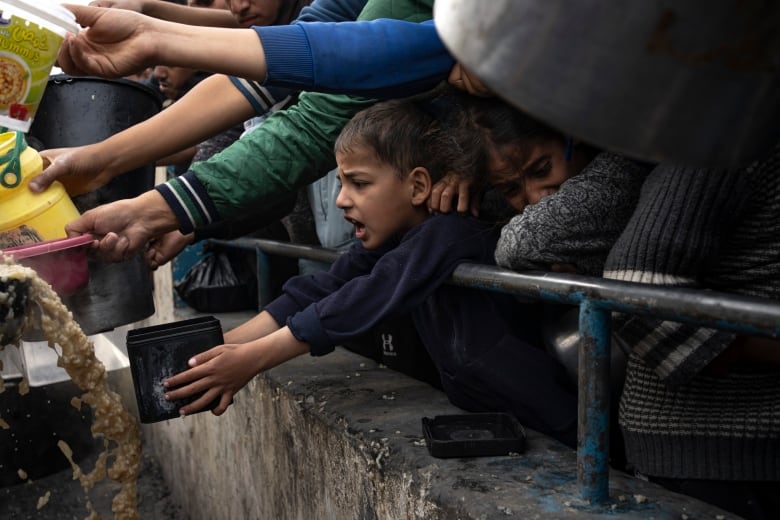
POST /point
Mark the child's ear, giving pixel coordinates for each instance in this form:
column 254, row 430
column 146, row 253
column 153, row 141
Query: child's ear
column 420, row 185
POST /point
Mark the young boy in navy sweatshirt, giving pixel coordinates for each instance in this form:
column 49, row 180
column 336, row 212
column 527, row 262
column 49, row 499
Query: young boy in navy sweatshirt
column 484, row 344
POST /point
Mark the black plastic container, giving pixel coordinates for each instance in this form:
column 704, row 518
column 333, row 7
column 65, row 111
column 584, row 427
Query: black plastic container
column 473, row 435
column 161, row 351
column 76, row 111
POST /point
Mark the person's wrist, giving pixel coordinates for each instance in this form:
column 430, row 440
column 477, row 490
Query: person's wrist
column 158, row 216
column 165, row 40
column 101, row 154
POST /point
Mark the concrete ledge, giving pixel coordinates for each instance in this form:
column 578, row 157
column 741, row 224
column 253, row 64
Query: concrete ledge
column 340, row 437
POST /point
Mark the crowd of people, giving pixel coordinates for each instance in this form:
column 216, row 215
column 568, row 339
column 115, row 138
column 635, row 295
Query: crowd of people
column 365, row 111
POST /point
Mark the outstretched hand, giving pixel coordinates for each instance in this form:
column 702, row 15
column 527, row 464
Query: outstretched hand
column 217, row 373
column 226, row 369
column 115, row 43
column 79, row 169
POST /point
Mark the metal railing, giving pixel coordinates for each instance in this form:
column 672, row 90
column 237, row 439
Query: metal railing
column 597, row 298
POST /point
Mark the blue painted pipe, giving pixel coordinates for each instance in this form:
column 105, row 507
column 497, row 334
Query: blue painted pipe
column 594, row 402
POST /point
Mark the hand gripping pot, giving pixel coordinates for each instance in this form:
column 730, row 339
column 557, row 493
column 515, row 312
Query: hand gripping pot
column 30, row 38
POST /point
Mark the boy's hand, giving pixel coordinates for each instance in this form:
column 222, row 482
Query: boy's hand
column 219, row 373
column 451, row 187
column 226, row 369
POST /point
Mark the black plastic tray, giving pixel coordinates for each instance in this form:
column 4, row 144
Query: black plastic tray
column 160, row 351
column 473, row 435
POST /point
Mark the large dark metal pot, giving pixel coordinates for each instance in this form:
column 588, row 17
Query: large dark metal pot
column 690, row 81
column 78, row 111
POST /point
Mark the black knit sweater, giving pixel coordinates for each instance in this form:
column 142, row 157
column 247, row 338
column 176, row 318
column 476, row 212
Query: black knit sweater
column 709, row 229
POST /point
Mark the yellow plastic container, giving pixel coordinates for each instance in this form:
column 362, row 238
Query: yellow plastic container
column 27, row 217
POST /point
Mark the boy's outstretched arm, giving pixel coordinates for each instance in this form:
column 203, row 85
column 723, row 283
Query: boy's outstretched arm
column 224, row 370
column 261, row 325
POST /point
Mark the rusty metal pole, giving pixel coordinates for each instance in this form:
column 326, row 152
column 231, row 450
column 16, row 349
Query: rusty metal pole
column 594, row 402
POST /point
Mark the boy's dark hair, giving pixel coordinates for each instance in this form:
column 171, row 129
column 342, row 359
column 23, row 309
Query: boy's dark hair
column 407, row 134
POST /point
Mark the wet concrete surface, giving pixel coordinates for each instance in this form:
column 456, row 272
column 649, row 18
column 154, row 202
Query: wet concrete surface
column 67, row 500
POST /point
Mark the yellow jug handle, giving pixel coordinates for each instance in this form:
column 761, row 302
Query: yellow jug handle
column 11, row 175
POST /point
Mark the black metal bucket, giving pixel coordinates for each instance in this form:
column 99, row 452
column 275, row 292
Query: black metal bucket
column 79, row 111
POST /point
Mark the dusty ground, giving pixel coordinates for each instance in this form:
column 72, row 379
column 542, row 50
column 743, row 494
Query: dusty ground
column 67, row 500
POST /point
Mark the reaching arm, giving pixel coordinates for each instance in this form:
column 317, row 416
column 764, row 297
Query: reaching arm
column 300, row 57
column 378, row 58
column 261, row 325
column 393, row 57
column 174, row 12
column 121, row 42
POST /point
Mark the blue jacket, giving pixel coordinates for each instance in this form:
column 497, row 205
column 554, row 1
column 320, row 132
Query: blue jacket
column 379, row 58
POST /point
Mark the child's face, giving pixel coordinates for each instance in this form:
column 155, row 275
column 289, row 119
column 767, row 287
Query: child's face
column 255, row 12
column 374, row 198
column 172, row 80
column 527, row 175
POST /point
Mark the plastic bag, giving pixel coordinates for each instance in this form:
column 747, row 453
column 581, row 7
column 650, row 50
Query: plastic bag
column 221, row 281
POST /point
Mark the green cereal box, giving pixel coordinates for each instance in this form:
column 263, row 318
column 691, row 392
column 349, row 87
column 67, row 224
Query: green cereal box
column 30, row 38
